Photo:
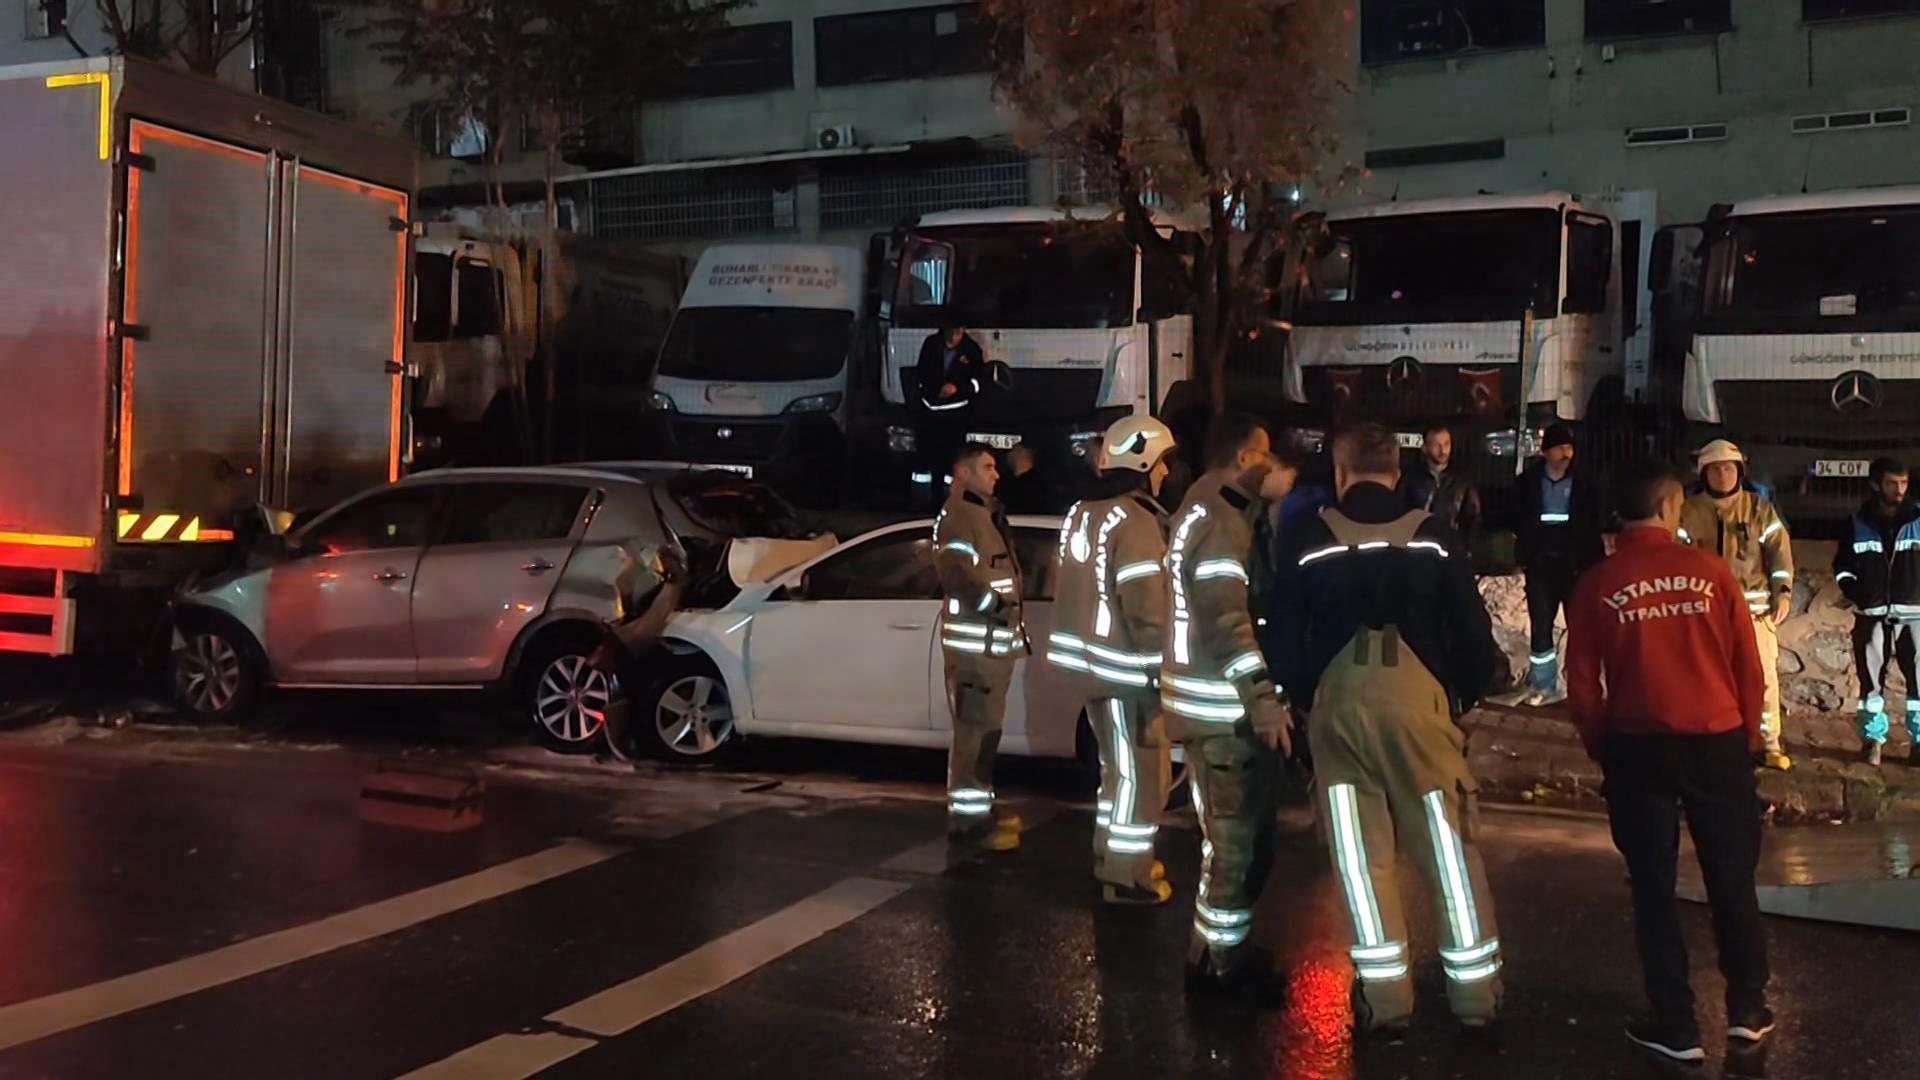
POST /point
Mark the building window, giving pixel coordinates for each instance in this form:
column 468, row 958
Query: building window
column 857, row 194
column 694, row 203
column 1677, row 133
column 742, row 60
column 1852, row 121
column 1648, row 18
column 447, row 132
column 45, row 18
column 1417, row 29
column 1815, row 10
column 915, row 43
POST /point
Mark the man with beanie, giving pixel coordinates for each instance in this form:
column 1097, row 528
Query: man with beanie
column 1730, row 519
column 1557, row 540
column 1879, row 571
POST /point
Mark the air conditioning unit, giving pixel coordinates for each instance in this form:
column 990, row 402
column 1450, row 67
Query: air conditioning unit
column 834, row 137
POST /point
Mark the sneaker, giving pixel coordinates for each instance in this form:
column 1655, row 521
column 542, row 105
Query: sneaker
column 1873, row 753
column 1751, row 1027
column 1550, row 697
column 1156, row 892
column 1667, row 1040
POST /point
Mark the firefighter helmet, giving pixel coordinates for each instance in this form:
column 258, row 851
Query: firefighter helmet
column 1718, row 451
column 1135, row 444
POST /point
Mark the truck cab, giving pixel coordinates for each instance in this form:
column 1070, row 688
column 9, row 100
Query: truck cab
column 754, row 372
column 1086, row 330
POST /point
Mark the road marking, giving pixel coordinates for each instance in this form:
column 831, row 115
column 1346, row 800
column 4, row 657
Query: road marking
column 69, row 1009
column 619, row 1009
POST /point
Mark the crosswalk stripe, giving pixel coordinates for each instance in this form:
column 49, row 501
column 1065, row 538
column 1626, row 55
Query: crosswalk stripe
column 40, row 1017
column 619, row 1009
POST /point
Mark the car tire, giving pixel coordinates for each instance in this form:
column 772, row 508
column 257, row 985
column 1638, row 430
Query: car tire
column 217, row 672
column 565, row 697
column 686, row 715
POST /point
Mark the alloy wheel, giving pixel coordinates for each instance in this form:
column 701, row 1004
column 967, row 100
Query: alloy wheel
column 694, row 716
column 208, row 670
column 571, row 704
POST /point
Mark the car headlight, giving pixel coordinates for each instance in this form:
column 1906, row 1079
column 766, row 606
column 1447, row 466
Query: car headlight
column 814, row 403
column 1503, row 443
column 901, row 440
column 661, row 402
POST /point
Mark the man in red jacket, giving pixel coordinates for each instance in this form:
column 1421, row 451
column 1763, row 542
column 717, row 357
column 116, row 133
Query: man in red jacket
column 1665, row 684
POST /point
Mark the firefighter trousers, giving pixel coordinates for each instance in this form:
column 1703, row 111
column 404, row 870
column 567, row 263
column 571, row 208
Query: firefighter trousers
column 1135, row 770
column 1389, row 759
column 977, row 696
column 1875, row 642
column 1234, row 782
column 1767, row 637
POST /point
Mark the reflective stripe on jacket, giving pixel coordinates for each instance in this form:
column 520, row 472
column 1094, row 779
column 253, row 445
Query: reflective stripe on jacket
column 1746, row 531
column 1878, row 567
column 1110, row 595
column 980, row 577
column 1212, row 670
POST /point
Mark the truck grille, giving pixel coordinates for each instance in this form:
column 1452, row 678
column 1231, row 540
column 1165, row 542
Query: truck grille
column 1429, row 392
column 1800, row 412
column 746, row 441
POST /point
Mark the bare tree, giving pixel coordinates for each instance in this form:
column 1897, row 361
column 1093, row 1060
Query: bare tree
column 198, row 35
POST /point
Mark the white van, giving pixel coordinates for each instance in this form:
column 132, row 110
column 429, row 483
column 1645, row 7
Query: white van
column 754, row 372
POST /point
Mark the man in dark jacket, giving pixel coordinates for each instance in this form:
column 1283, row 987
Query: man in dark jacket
column 951, row 375
column 1879, row 571
column 1384, row 633
column 1440, row 489
column 1558, row 540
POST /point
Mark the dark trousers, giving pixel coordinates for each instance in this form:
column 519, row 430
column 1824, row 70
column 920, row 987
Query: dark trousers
column 1650, row 779
column 1549, row 587
column 1875, row 641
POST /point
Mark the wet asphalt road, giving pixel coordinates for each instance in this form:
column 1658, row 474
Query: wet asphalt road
column 798, row 918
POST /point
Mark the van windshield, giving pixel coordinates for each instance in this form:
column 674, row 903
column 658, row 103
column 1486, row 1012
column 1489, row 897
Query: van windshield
column 756, row 344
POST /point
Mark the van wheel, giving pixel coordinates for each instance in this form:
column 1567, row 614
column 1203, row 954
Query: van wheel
column 566, row 697
column 216, row 673
column 687, row 714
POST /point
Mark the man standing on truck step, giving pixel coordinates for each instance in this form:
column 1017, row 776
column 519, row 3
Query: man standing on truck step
column 1220, row 703
column 1878, row 569
column 981, row 633
column 951, row 373
column 1558, row 539
column 1384, row 632
column 1740, row 525
column 1666, row 689
column 1110, row 622
column 1441, row 490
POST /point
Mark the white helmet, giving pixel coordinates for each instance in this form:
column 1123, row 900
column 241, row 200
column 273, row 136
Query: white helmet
column 1136, row 444
column 1718, row 451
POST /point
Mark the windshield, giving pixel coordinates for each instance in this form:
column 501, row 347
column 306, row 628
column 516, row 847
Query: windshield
column 1834, row 269
column 1466, row 267
column 1070, row 276
column 756, row 344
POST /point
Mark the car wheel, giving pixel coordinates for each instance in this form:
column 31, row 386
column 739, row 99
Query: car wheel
column 687, row 715
column 216, row 674
column 566, row 697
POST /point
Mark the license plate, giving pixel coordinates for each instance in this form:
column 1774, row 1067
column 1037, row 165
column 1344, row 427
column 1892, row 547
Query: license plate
column 743, row 470
column 1844, row 469
column 998, row 442
column 1410, row 440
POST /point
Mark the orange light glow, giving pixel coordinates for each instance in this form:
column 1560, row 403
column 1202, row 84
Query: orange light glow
column 52, row 540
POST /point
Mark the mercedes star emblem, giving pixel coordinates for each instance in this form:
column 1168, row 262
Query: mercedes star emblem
column 724, row 433
column 1403, row 375
column 1855, row 392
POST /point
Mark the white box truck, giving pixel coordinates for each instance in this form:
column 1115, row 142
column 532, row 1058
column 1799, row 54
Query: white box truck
column 203, row 308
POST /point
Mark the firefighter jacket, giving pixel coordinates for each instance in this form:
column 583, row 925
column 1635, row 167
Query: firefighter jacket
column 980, row 579
column 1110, row 596
column 1371, row 563
column 1746, row 531
column 1213, row 678
column 1878, row 567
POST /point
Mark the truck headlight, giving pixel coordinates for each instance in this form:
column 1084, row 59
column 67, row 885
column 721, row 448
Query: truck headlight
column 901, row 440
column 660, row 402
column 814, row 403
column 1504, row 443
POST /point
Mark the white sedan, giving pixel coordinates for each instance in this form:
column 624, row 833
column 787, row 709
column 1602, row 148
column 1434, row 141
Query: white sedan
column 842, row 647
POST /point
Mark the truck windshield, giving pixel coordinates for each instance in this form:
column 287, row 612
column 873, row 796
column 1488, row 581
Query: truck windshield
column 1434, row 268
column 1829, row 269
column 1018, row 277
column 756, row 344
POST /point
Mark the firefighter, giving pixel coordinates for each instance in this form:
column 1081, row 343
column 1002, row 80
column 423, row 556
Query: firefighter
column 1110, row 610
column 1741, row 525
column 1665, row 686
column 1879, row 571
column 981, row 633
column 1219, row 702
column 1387, row 638
column 1558, row 539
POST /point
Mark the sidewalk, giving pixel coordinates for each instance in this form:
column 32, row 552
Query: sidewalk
column 1532, row 756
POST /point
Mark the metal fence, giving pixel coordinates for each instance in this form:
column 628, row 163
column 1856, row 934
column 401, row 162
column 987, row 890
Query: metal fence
column 856, row 194
column 694, row 204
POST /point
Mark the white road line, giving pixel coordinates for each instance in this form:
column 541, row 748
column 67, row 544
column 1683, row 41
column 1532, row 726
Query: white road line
column 620, row 1009
column 69, row 1009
